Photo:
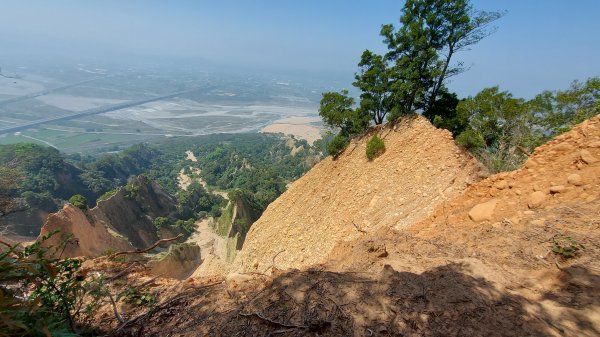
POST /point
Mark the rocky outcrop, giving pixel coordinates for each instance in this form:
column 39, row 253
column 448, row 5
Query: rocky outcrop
column 131, row 210
column 89, row 238
column 124, row 221
column 179, row 262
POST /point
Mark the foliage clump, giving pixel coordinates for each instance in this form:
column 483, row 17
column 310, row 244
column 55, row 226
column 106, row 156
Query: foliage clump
column 79, row 201
column 42, row 295
column 375, row 147
column 337, row 145
column 566, row 246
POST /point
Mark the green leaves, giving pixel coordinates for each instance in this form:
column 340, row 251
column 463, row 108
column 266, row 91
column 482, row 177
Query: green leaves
column 41, row 295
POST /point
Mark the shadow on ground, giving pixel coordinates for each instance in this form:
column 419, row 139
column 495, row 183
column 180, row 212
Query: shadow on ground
column 444, row 301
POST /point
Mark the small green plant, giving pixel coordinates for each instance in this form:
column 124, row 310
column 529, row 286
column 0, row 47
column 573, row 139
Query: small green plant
column 137, row 297
column 188, row 225
column 566, row 246
column 337, row 145
column 375, row 147
column 79, row 201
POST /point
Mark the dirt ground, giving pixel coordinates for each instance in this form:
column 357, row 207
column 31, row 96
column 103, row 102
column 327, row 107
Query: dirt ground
column 487, row 262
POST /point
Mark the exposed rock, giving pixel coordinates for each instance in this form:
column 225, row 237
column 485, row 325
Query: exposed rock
column 536, row 199
column 587, row 157
column 483, row 211
column 557, row 189
column 179, row 262
column 501, row 184
column 89, row 238
column 575, row 179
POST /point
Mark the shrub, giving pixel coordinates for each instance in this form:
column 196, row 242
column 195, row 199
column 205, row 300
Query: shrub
column 137, row 297
column 188, row 226
column 337, row 145
column 160, row 222
column 131, row 191
column 375, row 147
column 41, row 295
column 79, row 201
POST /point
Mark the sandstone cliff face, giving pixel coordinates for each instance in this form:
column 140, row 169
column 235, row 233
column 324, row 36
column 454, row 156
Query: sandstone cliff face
column 341, row 199
column 179, row 262
column 122, row 222
column 130, row 213
column 89, row 238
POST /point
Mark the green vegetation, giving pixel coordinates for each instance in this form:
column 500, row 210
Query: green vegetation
column 79, row 201
column 137, row 296
column 375, row 147
column 224, row 221
column 41, row 295
column 499, row 129
column 160, row 222
column 107, row 195
column 566, row 246
column 411, row 76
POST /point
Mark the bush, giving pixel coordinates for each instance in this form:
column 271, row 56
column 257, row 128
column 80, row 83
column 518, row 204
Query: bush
column 375, row 147
column 79, row 201
column 44, row 296
column 337, row 145
column 160, row 222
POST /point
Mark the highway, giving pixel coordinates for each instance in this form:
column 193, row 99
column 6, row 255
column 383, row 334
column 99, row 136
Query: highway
column 89, row 112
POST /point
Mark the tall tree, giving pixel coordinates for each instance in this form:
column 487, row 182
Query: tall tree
column 421, row 50
column 373, row 80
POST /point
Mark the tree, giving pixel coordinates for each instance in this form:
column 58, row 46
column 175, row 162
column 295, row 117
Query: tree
column 443, row 113
column 559, row 111
column 336, row 110
column 421, row 50
column 373, row 80
column 79, row 201
column 501, row 129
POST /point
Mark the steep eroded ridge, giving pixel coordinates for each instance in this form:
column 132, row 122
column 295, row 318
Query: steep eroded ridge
column 341, row 199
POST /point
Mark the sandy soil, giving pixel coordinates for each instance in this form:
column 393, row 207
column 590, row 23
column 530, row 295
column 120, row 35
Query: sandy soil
column 299, row 127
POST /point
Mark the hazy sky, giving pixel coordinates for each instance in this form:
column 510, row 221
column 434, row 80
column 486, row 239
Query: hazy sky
column 538, row 45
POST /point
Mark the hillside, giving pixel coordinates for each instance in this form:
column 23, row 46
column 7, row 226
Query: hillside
column 492, row 273
column 340, row 199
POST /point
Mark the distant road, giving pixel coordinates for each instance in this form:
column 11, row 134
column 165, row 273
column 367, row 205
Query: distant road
column 48, row 91
column 94, row 111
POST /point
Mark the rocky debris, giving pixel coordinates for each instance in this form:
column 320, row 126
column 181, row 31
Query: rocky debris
column 587, row 157
column 340, row 199
column 483, row 211
column 536, row 199
column 557, row 189
column 575, row 179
